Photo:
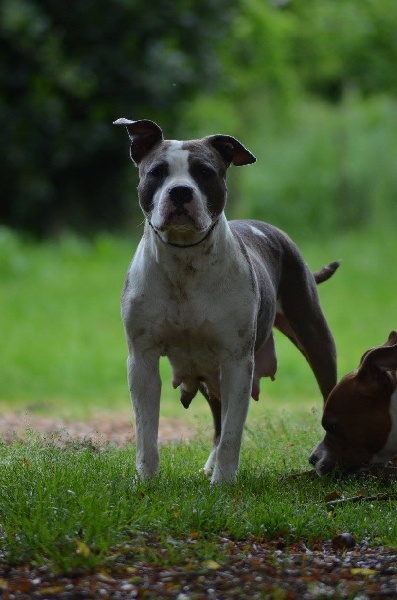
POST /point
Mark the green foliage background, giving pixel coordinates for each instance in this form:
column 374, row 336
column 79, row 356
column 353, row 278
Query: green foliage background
column 310, row 87
column 68, row 70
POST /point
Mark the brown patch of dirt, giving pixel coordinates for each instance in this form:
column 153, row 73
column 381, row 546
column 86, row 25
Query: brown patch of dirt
column 114, row 428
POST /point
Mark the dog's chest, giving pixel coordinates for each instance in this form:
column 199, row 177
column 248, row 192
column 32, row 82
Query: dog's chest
column 189, row 330
column 193, row 321
column 191, row 310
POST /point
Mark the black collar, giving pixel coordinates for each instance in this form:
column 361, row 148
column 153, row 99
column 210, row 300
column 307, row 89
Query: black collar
column 207, row 233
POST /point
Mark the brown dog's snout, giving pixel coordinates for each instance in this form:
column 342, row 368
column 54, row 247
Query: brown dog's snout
column 180, row 195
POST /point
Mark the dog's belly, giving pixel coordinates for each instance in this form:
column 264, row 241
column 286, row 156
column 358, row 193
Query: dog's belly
column 195, row 356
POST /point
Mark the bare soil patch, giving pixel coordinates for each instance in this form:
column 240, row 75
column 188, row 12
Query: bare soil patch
column 114, row 428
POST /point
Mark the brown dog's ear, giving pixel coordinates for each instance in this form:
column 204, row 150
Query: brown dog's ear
column 231, row 150
column 144, row 135
column 391, row 341
column 378, row 360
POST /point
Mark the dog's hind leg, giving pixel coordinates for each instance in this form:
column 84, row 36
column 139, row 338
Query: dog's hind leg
column 215, row 406
column 305, row 325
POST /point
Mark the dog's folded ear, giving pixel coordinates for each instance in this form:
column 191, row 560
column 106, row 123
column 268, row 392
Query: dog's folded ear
column 144, row 135
column 231, row 150
column 391, row 341
column 379, row 360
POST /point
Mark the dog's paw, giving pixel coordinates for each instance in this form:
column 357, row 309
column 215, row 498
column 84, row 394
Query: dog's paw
column 221, row 478
column 147, row 472
column 223, row 474
column 207, row 472
column 210, row 464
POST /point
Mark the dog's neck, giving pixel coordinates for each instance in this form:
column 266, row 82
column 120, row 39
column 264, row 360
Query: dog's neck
column 219, row 243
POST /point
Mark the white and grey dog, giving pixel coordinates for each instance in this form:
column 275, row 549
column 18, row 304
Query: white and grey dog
column 206, row 293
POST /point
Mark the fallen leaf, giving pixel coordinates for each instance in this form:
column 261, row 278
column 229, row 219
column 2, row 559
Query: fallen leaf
column 3, row 584
column 26, row 463
column 131, row 569
column 332, row 496
column 211, row 564
column 22, row 585
column 105, row 577
column 175, row 511
column 359, row 571
column 82, row 548
column 51, row 590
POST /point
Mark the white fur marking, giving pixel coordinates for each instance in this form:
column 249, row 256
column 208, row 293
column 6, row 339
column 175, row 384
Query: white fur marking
column 257, row 231
column 177, row 160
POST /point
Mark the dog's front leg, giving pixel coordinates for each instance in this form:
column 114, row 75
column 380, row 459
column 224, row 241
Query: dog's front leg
column 236, row 381
column 145, row 389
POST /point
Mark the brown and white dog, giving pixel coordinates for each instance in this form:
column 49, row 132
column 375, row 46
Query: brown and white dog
column 206, row 293
column 360, row 415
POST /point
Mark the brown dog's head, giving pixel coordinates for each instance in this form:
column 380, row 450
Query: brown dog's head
column 360, row 415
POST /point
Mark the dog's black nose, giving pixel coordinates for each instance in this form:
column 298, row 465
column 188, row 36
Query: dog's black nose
column 181, row 194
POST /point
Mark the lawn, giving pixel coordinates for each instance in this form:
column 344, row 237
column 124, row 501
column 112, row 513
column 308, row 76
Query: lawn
column 78, row 505
column 63, row 350
column 63, row 353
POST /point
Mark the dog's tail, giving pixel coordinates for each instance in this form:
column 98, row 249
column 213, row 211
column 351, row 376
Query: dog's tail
column 326, row 272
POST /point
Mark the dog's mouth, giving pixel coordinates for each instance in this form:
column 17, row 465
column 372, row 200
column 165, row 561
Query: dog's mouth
column 180, row 220
column 182, row 234
column 337, row 469
column 179, row 211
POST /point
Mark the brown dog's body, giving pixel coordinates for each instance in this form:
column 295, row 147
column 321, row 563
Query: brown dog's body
column 360, row 415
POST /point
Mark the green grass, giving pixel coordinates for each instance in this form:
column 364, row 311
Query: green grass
column 63, row 353
column 63, row 350
column 62, row 340
column 81, row 506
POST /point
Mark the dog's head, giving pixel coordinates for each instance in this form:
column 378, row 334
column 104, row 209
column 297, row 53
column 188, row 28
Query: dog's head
column 182, row 188
column 360, row 415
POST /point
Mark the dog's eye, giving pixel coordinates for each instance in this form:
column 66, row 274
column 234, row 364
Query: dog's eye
column 158, row 171
column 330, row 426
column 207, row 171
column 204, row 170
